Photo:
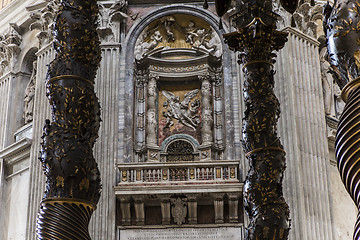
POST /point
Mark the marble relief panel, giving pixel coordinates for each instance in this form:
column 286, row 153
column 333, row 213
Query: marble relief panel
column 179, row 107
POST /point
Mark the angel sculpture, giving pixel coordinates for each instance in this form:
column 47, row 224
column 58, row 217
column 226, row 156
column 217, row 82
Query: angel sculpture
column 185, row 114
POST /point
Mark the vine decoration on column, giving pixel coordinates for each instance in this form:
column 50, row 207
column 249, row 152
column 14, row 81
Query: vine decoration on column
column 73, row 178
column 256, row 40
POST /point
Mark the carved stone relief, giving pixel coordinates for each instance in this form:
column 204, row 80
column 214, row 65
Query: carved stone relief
column 185, row 112
column 110, row 18
column 187, row 103
column 9, row 49
column 179, row 110
column 43, row 20
column 179, row 210
column 175, row 31
column 308, row 18
column 333, row 102
column 29, row 96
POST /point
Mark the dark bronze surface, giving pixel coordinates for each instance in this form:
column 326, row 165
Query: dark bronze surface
column 68, row 139
column 64, row 219
column 342, row 28
column 256, row 41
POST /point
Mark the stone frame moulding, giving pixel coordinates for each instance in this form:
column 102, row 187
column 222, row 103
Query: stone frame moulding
column 151, row 71
column 226, row 136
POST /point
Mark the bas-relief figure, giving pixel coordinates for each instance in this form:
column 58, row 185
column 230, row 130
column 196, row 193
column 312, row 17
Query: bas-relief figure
column 142, row 47
column 187, row 115
column 195, row 36
column 29, row 96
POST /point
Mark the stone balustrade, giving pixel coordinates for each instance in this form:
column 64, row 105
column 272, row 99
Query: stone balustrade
column 214, row 171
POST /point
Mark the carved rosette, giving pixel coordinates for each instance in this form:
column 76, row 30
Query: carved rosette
column 342, row 25
column 67, row 156
column 256, row 40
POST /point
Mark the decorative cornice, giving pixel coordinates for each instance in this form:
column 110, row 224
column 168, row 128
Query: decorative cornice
column 15, row 148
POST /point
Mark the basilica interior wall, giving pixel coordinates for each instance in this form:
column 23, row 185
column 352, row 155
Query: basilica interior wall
column 320, row 206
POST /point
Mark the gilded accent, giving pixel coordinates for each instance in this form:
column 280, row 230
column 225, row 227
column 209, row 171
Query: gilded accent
column 70, row 77
column 124, row 176
column 138, row 175
column 232, row 172
column 351, row 86
column 218, row 172
column 72, row 176
column 264, row 149
column 256, row 41
column 255, row 62
column 192, row 173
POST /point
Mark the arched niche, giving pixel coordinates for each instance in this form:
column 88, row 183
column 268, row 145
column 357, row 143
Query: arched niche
column 23, row 99
column 178, row 77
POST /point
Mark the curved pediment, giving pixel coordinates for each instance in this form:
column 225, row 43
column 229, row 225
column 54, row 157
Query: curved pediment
column 178, row 31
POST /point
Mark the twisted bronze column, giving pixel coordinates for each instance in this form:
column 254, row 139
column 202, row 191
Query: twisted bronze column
column 256, row 40
column 342, row 27
column 73, row 178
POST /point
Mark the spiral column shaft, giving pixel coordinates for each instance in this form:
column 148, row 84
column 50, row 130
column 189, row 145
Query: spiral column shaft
column 341, row 24
column 347, row 150
column 256, row 40
column 72, row 175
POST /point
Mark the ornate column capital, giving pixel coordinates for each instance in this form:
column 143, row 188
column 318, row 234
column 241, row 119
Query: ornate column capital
column 9, row 49
column 43, row 21
column 110, row 17
column 141, row 77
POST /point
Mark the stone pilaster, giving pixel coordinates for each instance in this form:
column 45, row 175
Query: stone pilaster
column 165, row 210
column 125, row 211
column 105, row 151
column 206, row 110
column 219, row 207
column 139, row 210
column 303, row 114
column 233, row 208
column 151, row 114
column 192, row 208
column 41, row 112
